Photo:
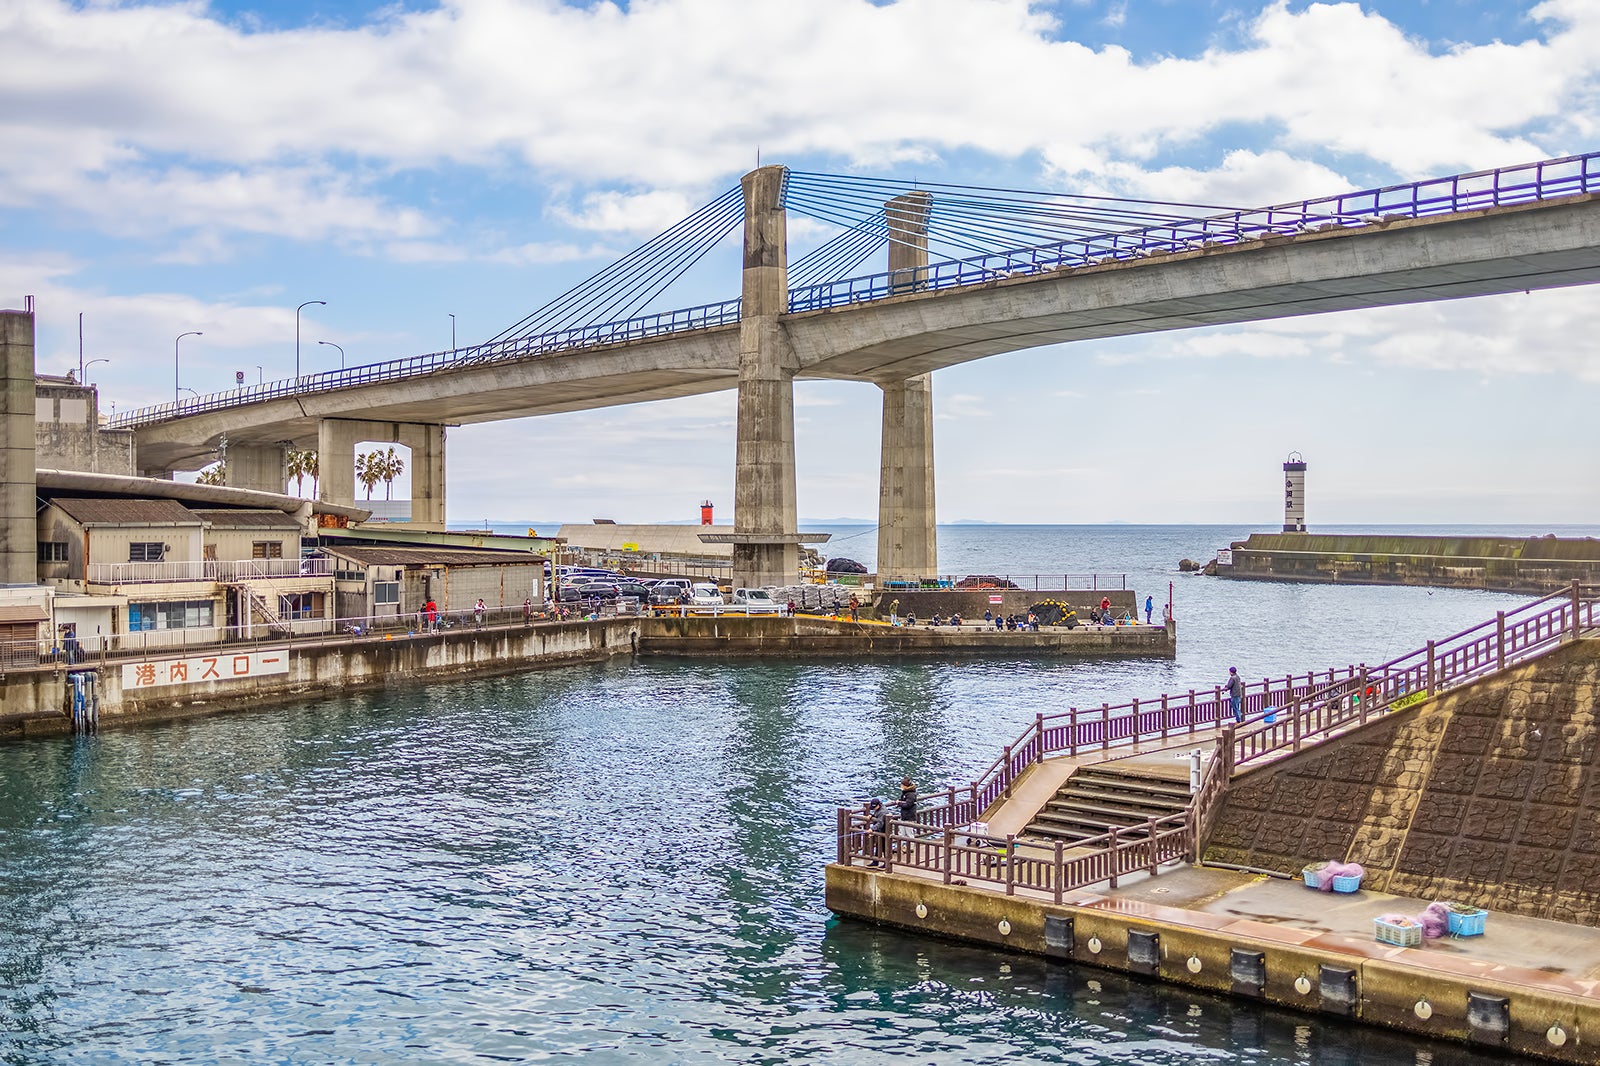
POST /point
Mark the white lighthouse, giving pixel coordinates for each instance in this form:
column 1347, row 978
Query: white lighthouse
column 1294, row 494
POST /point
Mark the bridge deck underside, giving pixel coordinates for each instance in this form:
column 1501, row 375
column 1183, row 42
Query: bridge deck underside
column 1497, row 251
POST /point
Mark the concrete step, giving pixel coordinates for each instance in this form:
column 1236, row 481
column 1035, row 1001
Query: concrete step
column 1095, row 798
column 1099, row 793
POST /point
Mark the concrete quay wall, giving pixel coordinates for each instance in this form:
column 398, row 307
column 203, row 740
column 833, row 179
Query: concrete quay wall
column 806, row 637
column 37, row 702
column 1378, row 987
column 971, row 603
column 1489, row 795
column 1509, row 564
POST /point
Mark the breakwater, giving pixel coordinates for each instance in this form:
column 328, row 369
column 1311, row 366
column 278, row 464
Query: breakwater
column 1505, row 564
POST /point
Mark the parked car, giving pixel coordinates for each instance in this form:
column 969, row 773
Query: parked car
column 671, row 590
column 757, row 601
column 706, row 596
column 632, row 588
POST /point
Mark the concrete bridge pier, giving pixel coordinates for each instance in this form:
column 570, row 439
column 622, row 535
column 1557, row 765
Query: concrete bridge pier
column 907, row 543
column 765, row 515
column 257, row 466
column 336, row 457
column 19, row 540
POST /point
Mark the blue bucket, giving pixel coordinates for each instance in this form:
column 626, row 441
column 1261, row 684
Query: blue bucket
column 1270, row 716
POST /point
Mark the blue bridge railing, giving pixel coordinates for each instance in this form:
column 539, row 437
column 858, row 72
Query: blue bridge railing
column 1546, row 180
column 510, row 349
column 1528, row 183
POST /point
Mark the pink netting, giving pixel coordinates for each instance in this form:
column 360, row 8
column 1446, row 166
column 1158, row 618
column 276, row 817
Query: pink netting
column 1338, row 869
column 1435, row 920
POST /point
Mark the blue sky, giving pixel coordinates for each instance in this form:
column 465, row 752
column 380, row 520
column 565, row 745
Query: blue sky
column 192, row 166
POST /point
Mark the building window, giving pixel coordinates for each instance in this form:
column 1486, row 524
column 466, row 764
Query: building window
column 267, row 549
column 385, row 592
column 52, row 551
column 146, row 551
column 299, row 604
column 179, row 614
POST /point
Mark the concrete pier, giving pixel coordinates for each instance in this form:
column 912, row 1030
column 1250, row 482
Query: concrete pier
column 765, row 515
column 336, row 455
column 18, row 539
column 263, row 467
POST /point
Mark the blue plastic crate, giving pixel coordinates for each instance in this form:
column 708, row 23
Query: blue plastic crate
column 1311, row 878
column 1467, row 924
column 1347, row 884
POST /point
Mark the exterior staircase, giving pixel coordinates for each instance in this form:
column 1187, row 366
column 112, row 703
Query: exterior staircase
column 264, row 611
column 1100, row 796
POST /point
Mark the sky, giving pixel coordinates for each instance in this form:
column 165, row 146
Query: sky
column 192, row 166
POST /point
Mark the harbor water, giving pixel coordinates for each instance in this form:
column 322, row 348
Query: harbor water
column 621, row 862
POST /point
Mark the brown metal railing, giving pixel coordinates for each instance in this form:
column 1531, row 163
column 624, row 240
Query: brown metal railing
column 958, row 855
column 1285, row 716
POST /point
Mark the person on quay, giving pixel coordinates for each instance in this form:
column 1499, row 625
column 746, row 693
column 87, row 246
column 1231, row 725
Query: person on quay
column 855, row 608
column 1149, row 609
column 1235, row 688
column 894, row 613
column 1105, row 610
column 878, row 830
column 432, row 610
column 908, row 807
column 478, row 611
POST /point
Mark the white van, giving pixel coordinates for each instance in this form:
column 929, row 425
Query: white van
column 706, row 596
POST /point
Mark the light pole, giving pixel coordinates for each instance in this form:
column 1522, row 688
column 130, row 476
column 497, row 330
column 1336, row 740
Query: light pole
column 341, row 352
column 261, row 375
column 179, row 337
column 297, row 311
column 86, row 367
column 452, row 333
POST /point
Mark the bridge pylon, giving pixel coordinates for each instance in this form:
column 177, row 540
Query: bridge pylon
column 19, row 542
column 907, row 542
column 765, row 516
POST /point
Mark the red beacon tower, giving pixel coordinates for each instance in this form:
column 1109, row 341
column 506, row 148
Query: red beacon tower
column 705, row 512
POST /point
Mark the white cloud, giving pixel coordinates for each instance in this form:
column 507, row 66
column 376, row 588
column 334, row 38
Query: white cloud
column 143, row 116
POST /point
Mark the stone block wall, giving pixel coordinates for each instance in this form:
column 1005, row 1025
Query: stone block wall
column 1489, row 795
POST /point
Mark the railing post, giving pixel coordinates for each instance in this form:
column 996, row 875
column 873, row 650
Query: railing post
column 949, row 849
column 1105, row 726
column 1296, row 717
column 1194, row 712
column 843, row 827
column 1430, row 668
column 1011, row 864
column 1150, row 841
column 1038, row 728
column 1060, row 874
column 975, row 811
column 1164, row 713
column 1361, row 691
column 1577, row 605
column 1116, row 858
column 886, row 846
column 1072, row 720
column 1006, row 774
column 950, row 804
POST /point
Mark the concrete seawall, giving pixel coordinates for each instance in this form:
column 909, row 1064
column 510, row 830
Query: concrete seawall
column 824, row 638
column 37, row 702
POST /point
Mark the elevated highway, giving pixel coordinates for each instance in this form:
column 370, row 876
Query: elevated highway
column 1519, row 229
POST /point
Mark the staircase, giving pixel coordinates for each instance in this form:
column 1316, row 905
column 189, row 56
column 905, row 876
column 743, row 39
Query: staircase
column 264, row 611
column 1095, row 798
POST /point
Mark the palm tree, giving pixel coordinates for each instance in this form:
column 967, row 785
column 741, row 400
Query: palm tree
column 313, row 470
column 369, row 471
column 299, row 467
column 215, row 474
column 393, row 467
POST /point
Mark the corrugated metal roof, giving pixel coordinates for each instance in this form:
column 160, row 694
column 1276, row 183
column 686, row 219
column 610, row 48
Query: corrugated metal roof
column 421, row 556
column 245, row 519
column 103, row 512
column 26, row 612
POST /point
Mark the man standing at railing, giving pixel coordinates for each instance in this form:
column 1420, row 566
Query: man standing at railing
column 1235, row 687
column 478, row 611
column 908, row 807
column 877, row 830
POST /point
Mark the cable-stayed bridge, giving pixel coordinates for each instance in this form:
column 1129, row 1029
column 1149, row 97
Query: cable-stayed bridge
column 913, row 278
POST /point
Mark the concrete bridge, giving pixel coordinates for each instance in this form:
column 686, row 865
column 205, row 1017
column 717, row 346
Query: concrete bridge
column 1521, row 228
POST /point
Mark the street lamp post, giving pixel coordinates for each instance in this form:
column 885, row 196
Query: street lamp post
column 261, row 375
column 179, row 337
column 81, row 379
column 341, row 352
column 452, row 333
column 297, row 311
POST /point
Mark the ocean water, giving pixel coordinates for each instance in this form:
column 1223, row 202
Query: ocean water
column 618, row 862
